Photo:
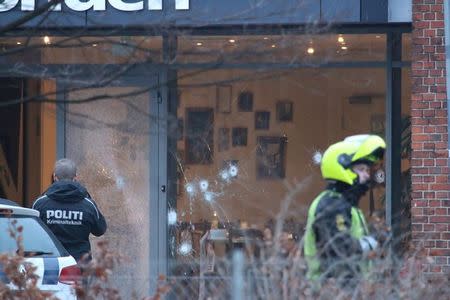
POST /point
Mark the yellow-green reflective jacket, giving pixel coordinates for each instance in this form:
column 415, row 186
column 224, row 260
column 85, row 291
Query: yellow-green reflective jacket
column 343, row 218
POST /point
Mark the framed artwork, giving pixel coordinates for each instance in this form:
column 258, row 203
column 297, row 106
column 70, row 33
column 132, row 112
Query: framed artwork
column 262, row 120
column 223, row 99
column 199, row 134
column 271, row 157
column 245, row 101
column 285, row 111
column 223, row 139
column 239, row 136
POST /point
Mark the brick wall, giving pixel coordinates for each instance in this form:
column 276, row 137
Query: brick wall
column 430, row 171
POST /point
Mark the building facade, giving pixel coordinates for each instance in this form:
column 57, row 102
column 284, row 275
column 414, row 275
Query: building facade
column 186, row 115
column 429, row 118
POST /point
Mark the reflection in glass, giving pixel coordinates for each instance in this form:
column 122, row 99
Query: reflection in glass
column 110, row 143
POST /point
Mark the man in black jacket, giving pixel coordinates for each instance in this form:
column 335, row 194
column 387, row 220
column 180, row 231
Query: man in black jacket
column 68, row 210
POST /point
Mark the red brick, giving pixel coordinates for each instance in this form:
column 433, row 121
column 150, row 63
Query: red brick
column 416, row 227
column 441, row 244
column 429, row 49
column 439, row 219
column 429, row 96
column 440, row 252
column 441, row 260
column 429, row 179
column 421, row 41
column 441, row 211
column 440, row 81
column 429, row 129
column 435, row 105
column 419, row 220
column 442, row 195
column 436, row 8
column 436, row 24
column 434, row 203
column 428, row 113
column 435, row 72
column 418, row 211
column 428, row 16
column 422, row 25
column 435, row 269
column 429, row 162
column 419, row 203
column 441, row 179
column 427, row 32
column 441, row 227
column 441, row 96
column 419, row 171
column 422, row 73
column 441, row 50
column 428, row 80
column 428, row 227
column 439, row 16
column 436, row 41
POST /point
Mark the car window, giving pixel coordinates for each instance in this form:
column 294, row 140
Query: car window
column 37, row 240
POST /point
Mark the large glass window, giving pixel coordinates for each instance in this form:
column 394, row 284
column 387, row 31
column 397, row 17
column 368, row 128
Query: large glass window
column 250, row 139
column 110, row 143
column 288, row 48
column 76, row 49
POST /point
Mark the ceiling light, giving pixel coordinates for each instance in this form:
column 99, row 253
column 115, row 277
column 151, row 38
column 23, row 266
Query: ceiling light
column 232, row 41
column 199, row 44
column 341, row 39
column 310, row 50
column 46, row 40
column 274, row 46
column 94, row 45
column 378, row 36
column 19, row 43
column 266, row 38
column 344, row 48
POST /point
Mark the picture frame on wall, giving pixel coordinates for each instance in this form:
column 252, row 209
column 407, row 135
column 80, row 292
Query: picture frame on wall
column 271, row 157
column 199, row 135
column 239, row 136
column 223, row 137
column 262, row 120
column 223, row 99
column 245, row 101
column 285, row 111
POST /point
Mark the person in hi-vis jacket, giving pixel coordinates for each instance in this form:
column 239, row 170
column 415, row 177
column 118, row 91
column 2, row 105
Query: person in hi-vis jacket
column 337, row 239
column 69, row 212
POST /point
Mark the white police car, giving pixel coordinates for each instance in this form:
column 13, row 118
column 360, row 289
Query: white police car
column 57, row 270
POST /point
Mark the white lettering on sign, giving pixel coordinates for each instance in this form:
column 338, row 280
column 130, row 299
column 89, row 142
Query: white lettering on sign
column 65, row 214
column 96, row 5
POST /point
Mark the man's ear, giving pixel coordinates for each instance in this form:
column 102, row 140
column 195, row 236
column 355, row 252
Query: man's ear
column 54, row 177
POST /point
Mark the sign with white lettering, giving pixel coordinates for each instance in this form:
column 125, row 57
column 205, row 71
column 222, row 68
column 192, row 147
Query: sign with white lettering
column 96, row 5
column 198, row 13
